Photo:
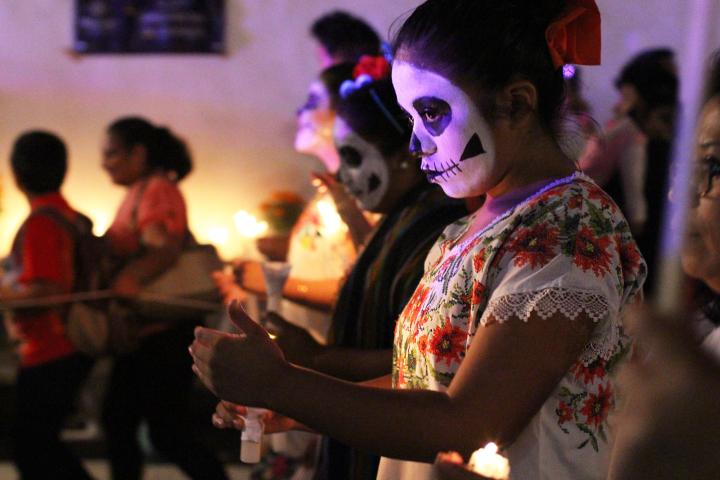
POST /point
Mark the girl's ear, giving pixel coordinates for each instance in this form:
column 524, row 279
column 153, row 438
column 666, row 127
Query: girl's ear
column 518, row 99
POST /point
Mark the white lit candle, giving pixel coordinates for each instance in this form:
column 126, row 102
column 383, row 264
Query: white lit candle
column 250, row 229
column 488, row 463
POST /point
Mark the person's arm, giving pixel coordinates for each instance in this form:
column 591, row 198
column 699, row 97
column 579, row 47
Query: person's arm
column 231, row 415
column 160, row 251
column 633, row 164
column 495, row 393
column 300, row 348
column 317, row 294
column 353, row 364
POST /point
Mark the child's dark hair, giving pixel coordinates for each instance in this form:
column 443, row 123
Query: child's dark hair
column 39, row 161
column 373, row 113
column 488, row 44
column 165, row 151
column 345, row 36
column 333, row 77
column 652, row 73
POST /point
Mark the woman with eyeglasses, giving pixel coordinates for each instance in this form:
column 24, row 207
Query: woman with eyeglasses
column 672, row 395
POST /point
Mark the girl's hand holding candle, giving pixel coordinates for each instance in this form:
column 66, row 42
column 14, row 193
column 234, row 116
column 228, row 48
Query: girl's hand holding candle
column 488, row 463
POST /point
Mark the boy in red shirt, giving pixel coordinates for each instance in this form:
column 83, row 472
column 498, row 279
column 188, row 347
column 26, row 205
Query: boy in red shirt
column 51, row 370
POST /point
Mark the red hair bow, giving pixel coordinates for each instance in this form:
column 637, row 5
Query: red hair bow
column 575, row 36
column 376, row 67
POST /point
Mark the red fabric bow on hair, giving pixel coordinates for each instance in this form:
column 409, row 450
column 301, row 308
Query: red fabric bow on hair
column 575, row 36
column 377, row 67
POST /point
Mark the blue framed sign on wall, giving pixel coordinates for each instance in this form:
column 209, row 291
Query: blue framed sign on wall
column 149, row 26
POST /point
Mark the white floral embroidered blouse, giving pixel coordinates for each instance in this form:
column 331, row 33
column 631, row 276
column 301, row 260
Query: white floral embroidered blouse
column 566, row 250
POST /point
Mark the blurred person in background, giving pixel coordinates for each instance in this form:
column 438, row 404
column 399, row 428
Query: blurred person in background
column 151, row 382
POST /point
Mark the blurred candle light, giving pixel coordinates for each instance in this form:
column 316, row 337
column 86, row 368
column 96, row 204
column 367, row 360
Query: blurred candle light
column 101, row 221
column 332, row 224
column 250, row 229
column 218, row 236
column 488, row 463
column 248, row 226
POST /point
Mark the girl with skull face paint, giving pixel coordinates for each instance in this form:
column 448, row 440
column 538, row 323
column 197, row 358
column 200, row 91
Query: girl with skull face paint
column 376, row 167
column 321, row 248
column 514, row 329
column 322, row 245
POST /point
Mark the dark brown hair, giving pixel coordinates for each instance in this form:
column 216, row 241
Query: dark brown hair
column 487, row 44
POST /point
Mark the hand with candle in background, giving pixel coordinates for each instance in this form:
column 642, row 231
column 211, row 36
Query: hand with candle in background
column 451, row 466
column 231, row 415
column 485, row 463
column 347, row 207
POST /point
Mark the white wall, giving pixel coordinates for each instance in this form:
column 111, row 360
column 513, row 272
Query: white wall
column 236, row 111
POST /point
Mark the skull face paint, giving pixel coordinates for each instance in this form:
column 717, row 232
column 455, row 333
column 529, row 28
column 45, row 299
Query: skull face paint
column 314, row 121
column 449, row 132
column 363, row 169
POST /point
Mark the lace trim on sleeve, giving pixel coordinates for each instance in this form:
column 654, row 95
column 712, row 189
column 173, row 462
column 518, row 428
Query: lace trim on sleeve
column 568, row 303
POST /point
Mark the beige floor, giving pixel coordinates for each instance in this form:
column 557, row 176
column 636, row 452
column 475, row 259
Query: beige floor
column 99, row 470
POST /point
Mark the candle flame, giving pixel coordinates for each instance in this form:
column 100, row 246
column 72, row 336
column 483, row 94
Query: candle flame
column 332, row 224
column 248, row 225
column 218, row 235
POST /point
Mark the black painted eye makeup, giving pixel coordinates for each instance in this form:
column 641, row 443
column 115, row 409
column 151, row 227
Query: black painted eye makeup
column 350, row 156
column 435, row 113
column 312, row 102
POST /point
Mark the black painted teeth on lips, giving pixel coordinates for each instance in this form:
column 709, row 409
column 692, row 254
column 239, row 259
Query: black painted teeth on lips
column 448, row 170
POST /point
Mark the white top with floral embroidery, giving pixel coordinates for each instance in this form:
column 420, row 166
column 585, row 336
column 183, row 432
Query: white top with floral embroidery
column 568, row 251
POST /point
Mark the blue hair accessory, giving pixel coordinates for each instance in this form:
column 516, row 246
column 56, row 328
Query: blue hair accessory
column 387, row 52
column 348, row 87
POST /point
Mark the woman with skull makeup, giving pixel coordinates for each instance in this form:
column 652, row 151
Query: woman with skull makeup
column 514, row 329
column 371, row 136
column 322, row 247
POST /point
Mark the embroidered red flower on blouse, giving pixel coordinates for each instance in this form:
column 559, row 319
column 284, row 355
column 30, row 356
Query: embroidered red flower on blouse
column 422, row 344
column 416, row 302
column 564, row 413
column 479, row 260
column 575, row 202
column 554, row 193
column 591, row 252
column 629, row 255
column 377, row 67
column 448, row 343
column 588, row 374
column 479, row 294
column 604, row 199
column 535, row 246
column 597, row 407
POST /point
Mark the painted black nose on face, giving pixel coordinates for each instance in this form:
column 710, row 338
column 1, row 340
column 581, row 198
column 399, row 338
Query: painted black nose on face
column 415, row 146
